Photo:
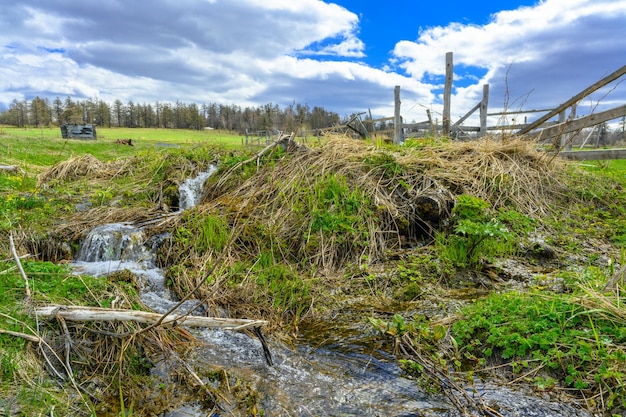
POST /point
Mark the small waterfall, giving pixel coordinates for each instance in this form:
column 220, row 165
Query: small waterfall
column 190, row 191
column 119, row 246
column 113, row 242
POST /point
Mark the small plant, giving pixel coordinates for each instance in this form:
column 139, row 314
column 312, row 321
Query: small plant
column 475, row 234
column 386, row 163
column 101, row 197
column 289, row 292
column 579, row 347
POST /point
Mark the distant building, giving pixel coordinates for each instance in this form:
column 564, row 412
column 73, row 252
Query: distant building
column 74, row 131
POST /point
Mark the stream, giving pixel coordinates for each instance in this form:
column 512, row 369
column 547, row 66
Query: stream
column 333, row 369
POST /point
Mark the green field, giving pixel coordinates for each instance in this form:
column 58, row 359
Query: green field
column 32, row 148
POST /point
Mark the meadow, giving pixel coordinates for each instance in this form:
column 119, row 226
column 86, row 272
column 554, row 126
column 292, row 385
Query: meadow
column 42, row 147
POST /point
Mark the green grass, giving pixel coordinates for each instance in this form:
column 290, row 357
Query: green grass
column 38, row 148
column 49, row 284
column 548, row 336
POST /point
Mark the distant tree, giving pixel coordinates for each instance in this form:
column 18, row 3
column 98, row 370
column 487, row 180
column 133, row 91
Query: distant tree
column 118, row 112
column 321, row 118
column 39, row 112
column 17, row 114
column 167, row 115
column 131, row 115
column 103, row 114
column 72, row 112
column 57, row 109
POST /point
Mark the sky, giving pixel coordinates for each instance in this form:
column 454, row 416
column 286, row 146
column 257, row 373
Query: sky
column 346, row 56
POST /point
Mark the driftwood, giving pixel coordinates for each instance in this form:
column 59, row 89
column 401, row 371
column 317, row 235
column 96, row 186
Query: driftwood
column 19, row 266
column 14, row 168
column 29, row 337
column 77, row 313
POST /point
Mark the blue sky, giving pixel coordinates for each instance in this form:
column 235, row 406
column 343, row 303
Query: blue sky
column 381, row 27
column 346, row 55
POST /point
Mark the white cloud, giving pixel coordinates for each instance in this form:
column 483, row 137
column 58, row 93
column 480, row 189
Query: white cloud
column 551, row 51
column 252, row 52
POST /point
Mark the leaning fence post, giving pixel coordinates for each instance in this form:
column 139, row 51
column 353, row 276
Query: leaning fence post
column 447, row 92
column 483, row 111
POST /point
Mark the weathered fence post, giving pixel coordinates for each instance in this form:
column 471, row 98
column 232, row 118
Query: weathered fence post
column 372, row 125
column 397, row 120
column 431, row 125
column 483, row 111
column 566, row 139
column 447, row 93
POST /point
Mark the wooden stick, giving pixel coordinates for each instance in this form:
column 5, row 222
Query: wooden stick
column 77, row 313
column 9, row 168
column 68, row 343
column 19, row 266
column 29, row 337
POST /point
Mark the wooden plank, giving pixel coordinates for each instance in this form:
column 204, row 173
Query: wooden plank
column 447, row 93
column 611, row 77
column 580, row 123
column 384, row 119
column 515, row 127
column 468, row 114
column 594, row 155
column 505, row 113
column 420, row 125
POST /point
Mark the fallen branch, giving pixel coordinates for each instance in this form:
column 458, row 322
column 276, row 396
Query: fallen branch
column 73, row 313
column 29, row 337
column 13, row 168
column 19, row 266
column 283, row 140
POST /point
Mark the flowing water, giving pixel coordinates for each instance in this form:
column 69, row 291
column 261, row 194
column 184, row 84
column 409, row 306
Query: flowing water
column 334, row 369
column 190, row 191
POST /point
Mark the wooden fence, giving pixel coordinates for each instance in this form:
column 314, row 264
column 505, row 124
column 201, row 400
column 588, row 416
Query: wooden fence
column 561, row 132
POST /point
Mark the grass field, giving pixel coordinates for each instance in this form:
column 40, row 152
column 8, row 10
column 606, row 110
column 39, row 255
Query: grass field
column 34, row 148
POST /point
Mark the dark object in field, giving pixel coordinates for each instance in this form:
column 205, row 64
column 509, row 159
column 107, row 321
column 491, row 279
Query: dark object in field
column 76, row 131
column 128, row 142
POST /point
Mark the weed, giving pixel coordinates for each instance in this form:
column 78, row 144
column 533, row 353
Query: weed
column 385, row 163
column 581, row 348
column 288, row 291
column 203, row 232
column 475, row 234
column 337, row 208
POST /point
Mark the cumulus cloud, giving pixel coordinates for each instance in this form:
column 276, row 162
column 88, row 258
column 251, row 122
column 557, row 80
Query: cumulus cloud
column 253, row 52
column 533, row 56
column 224, row 51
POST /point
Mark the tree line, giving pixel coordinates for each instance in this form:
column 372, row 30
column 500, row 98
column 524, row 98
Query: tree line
column 41, row 112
